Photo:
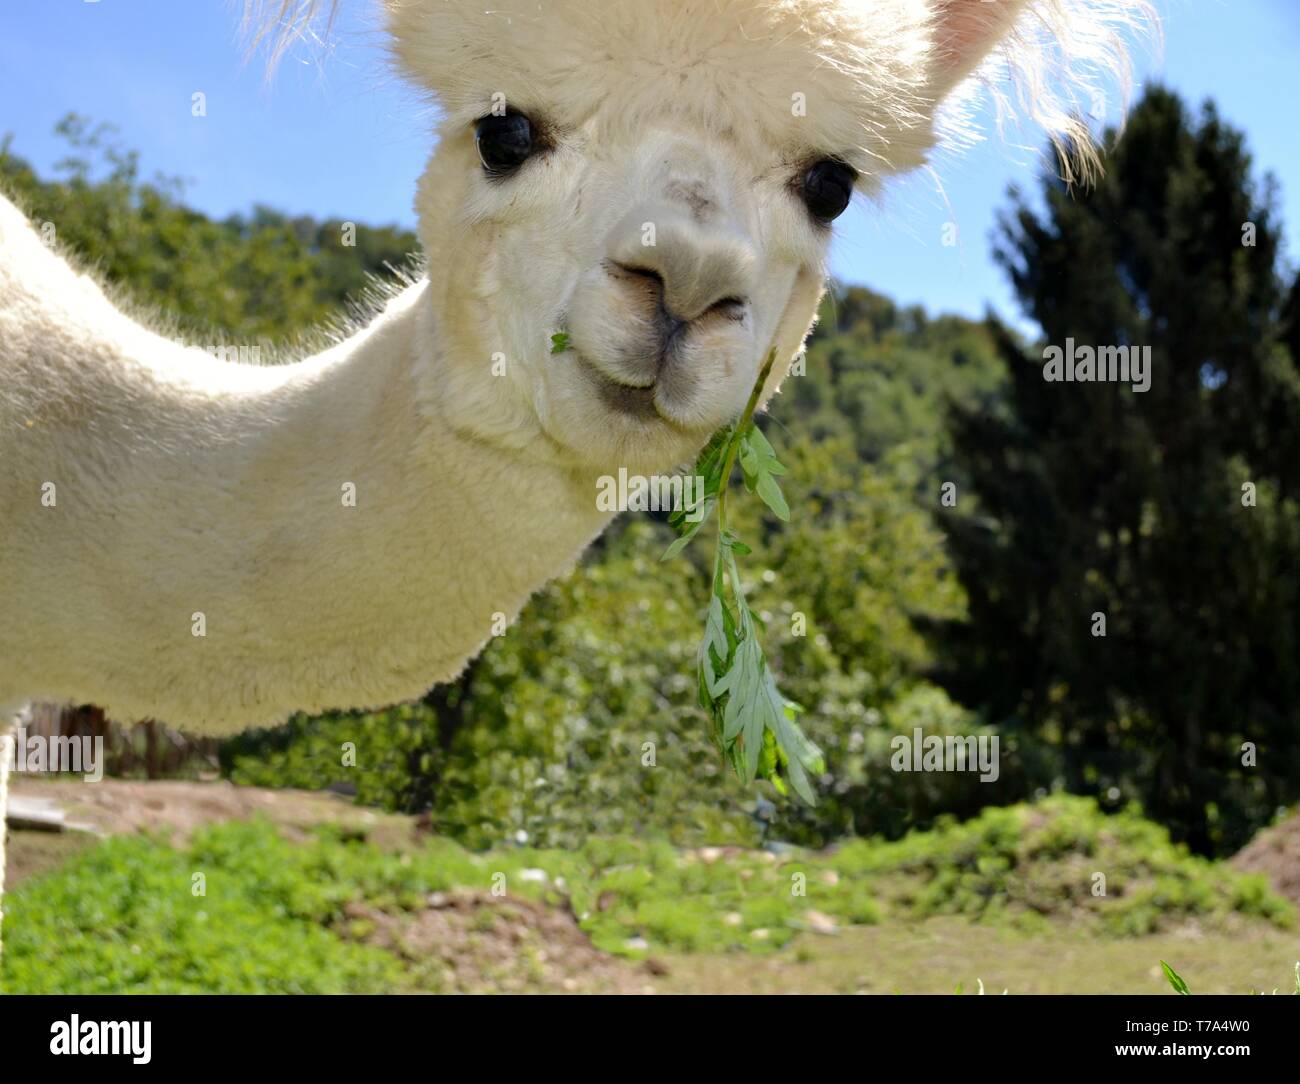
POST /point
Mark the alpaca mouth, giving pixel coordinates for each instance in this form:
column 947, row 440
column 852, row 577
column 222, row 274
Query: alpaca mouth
column 629, row 400
column 625, row 399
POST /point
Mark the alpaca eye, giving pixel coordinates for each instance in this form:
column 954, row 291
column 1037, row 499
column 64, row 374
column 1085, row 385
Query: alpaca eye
column 827, row 188
column 504, row 143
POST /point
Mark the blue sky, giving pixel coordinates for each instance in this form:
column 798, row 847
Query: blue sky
column 338, row 136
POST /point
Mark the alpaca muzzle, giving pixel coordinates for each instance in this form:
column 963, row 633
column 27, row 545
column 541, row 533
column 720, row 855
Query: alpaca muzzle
column 698, row 266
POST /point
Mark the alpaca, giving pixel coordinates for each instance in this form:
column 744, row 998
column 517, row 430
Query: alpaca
column 218, row 545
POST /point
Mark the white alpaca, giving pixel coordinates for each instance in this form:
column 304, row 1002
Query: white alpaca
column 654, row 177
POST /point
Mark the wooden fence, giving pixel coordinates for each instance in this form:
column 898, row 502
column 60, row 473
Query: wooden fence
column 147, row 749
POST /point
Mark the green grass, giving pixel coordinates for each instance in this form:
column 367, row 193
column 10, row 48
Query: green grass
column 1180, row 985
column 935, row 955
column 124, row 916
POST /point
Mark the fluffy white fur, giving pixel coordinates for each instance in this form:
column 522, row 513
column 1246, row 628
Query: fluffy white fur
column 6, row 760
column 189, row 486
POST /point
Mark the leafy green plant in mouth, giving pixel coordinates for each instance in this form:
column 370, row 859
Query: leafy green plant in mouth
column 755, row 727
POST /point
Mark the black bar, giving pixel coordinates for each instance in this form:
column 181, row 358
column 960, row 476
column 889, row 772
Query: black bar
column 522, row 1034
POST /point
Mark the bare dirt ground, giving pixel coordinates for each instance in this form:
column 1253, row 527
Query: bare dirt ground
column 470, row 943
column 174, row 809
column 1275, row 852
column 177, row 807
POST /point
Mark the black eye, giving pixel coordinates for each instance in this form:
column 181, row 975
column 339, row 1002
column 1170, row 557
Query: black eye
column 504, row 143
column 827, row 188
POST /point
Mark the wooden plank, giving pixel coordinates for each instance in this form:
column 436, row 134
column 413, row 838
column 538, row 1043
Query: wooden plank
column 41, row 815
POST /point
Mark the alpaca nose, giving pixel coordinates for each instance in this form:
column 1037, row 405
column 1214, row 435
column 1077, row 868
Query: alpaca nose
column 699, row 266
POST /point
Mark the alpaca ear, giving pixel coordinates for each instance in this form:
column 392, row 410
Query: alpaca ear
column 964, row 32
column 1066, row 57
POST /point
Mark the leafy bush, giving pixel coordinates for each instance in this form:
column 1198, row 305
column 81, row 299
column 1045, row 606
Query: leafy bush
column 388, row 758
column 1042, row 860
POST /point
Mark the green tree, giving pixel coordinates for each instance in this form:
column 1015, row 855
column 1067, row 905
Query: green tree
column 1172, row 512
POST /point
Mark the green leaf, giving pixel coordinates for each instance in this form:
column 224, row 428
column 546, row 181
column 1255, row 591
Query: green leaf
column 804, row 756
column 715, row 648
column 754, row 705
column 682, row 541
column 740, row 683
column 708, row 466
column 772, row 496
column 709, row 463
column 765, row 451
column 733, row 543
column 760, row 466
column 559, row 342
column 749, row 461
column 1175, row 979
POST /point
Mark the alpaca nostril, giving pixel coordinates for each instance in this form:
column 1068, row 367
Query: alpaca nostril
column 640, row 272
column 698, row 268
column 732, row 308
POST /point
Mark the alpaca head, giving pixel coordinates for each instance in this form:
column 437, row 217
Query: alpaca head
column 657, row 181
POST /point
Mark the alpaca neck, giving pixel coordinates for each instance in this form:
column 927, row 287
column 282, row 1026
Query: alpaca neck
column 342, row 543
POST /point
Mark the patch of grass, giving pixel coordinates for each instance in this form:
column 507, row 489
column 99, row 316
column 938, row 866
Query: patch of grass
column 934, row 955
column 122, row 917
column 1180, row 985
column 240, row 910
column 274, row 914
